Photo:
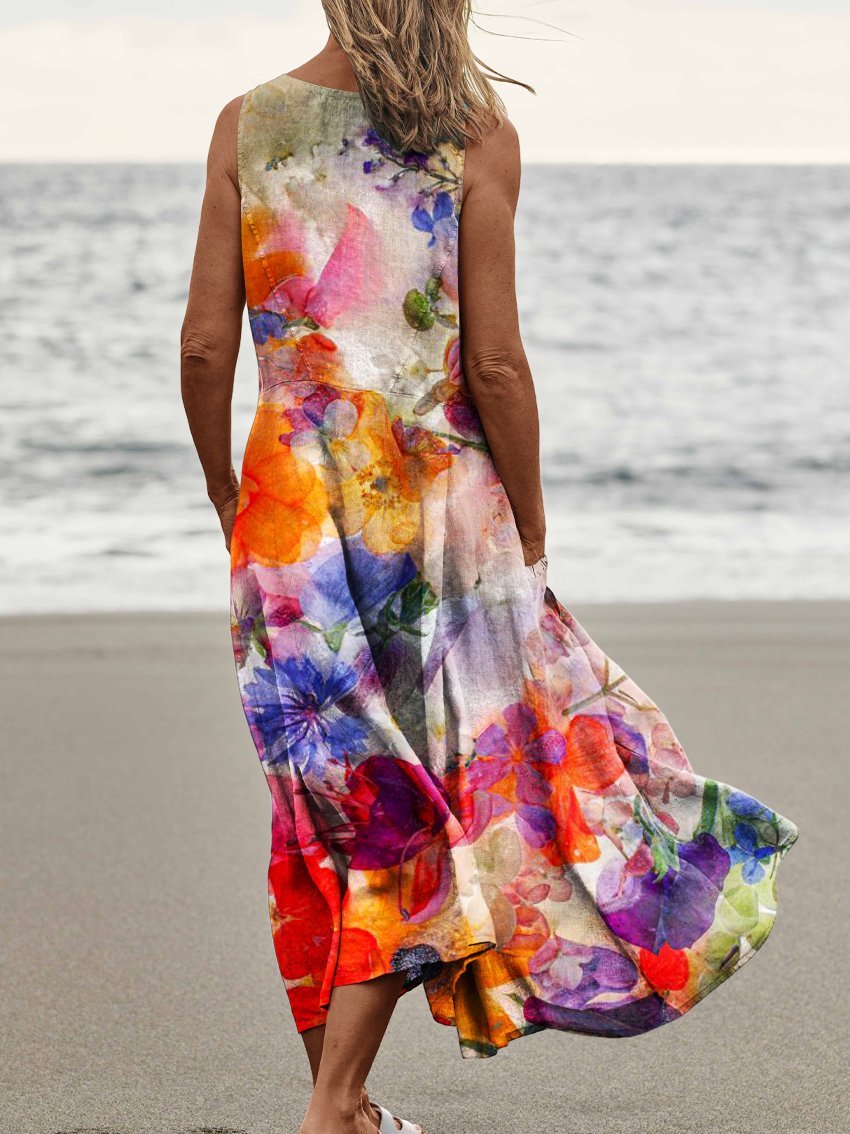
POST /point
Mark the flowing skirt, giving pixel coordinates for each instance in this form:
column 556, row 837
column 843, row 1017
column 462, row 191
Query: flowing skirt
column 464, row 786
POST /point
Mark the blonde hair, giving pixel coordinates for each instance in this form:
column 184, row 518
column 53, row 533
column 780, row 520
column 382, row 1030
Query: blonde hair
column 420, row 81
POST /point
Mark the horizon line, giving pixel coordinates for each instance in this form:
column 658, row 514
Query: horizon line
column 649, row 157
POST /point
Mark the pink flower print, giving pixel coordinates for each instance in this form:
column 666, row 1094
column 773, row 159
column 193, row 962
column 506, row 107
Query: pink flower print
column 539, row 882
column 348, row 281
column 607, row 816
column 347, row 278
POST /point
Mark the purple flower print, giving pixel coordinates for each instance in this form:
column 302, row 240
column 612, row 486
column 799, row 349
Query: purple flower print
column 631, row 747
column 504, row 759
column 443, row 211
column 626, row 1018
column 395, row 810
column 535, row 824
column 462, row 415
column 297, row 703
column 373, row 138
column 410, row 158
column 315, row 405
column 676, row 908
column 317, row 408
column 415, row 158
column 571, row 974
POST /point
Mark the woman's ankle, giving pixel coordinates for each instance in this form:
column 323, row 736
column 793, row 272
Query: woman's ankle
column 369, row 1108
column 334, row 1109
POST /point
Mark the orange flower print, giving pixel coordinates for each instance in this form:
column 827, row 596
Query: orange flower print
column 281, row 499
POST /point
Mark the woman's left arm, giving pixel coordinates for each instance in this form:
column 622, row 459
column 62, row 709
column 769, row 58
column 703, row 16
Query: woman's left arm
column 212, row 326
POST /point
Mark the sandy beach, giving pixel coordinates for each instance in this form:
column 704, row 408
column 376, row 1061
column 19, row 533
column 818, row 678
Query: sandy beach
column 139, row 984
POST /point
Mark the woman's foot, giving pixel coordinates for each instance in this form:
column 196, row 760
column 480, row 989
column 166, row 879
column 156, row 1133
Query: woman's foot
column 375, row 1111
column 322, row 1119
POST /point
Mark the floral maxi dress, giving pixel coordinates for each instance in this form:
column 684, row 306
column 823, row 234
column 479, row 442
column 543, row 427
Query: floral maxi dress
column 464, row 786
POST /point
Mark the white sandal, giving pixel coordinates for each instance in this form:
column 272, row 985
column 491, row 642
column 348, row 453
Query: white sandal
column 388, row 1123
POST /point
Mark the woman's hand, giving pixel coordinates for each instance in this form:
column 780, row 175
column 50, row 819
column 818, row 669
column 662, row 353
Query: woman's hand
column 532, row 550
column 225, row 504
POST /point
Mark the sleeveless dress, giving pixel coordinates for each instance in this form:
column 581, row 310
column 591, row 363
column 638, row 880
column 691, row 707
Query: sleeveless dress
column 464, row 786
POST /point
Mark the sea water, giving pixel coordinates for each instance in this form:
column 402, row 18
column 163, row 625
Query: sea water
column 687, row 327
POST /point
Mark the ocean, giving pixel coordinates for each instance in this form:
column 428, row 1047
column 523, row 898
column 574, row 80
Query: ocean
column 688, row 328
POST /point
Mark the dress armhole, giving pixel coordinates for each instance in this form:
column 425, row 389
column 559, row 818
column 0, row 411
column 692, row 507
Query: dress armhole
column 240, row 159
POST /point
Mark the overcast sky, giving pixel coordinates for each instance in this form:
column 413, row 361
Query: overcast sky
column 622, row 80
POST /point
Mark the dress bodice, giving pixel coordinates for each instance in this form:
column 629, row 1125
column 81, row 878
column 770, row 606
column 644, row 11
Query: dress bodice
column 349, row 247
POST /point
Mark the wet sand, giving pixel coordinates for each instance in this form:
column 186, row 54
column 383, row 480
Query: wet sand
column 138, row 979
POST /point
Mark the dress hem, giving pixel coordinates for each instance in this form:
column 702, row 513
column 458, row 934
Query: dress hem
column 476, row 1049
column 476, row 949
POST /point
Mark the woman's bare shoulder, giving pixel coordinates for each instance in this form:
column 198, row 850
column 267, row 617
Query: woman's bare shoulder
column 495, row 161
column 222, row 152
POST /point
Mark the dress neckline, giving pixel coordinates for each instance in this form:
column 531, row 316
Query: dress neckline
column 320, row 87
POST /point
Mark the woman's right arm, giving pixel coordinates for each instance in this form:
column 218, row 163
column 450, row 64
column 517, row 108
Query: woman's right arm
column 212, row 326
column 492, row 354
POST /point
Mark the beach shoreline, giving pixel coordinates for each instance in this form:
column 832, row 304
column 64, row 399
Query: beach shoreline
column 138, row 967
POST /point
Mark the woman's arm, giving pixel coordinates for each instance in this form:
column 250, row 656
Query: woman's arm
column 492, row 354
column 209, row 337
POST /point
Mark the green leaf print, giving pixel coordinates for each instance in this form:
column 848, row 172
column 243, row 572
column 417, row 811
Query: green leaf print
column 738, row 909
column 744, row 912
column 432, row 289
column 418, row 310
column 728, row 821
column 417, row 599
column 721, row 949
column 420, row 307
column 710, row 797
column 404, row 611
column 661, row 842
column 758, row 933
column 259, row 637
column 334, row 635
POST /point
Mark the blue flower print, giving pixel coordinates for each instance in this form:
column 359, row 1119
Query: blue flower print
column 745, row 807
column 351, row 587
column 428, row 222
column 266, row 325
column 747, row 851
column 298, row 702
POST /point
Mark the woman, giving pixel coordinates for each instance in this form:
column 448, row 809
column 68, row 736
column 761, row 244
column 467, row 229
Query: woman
column 467, row 792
